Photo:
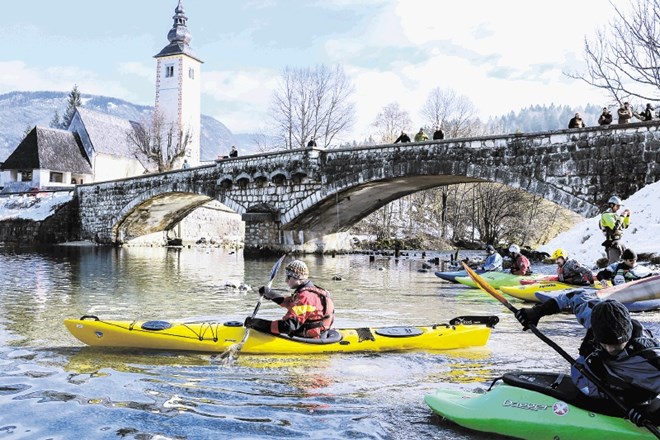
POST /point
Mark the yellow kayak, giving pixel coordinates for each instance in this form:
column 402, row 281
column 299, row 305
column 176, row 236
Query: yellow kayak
column 217, row 337
column 527, row 292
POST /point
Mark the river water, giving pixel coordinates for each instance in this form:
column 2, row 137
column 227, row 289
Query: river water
column 53, row 387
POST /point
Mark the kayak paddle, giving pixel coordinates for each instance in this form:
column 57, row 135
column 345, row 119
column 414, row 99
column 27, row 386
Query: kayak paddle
column 234, row 349
column 483, row 285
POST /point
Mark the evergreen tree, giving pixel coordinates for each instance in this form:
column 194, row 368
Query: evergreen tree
column 55, row 122
column 73, row 103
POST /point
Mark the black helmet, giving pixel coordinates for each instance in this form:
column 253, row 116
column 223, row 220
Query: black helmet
column 610, row 322
column 629, row 254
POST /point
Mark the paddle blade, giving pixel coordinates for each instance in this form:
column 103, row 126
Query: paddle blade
column 483, row 285
column 275, row 269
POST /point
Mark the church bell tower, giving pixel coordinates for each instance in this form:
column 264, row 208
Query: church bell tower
column 178, row 90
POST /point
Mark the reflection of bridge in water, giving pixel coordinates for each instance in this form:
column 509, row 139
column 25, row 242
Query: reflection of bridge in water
column 294, row 199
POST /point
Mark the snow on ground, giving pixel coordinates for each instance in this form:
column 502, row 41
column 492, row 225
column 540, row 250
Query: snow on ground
column 36, row 206
column 583, row 241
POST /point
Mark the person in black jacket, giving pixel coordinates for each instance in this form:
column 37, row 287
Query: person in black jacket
column 402, row 138
column 647, row 114
column 438, row 134
column 576, row 122
column 605, row 118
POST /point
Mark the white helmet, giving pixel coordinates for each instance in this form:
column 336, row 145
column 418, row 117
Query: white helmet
column 614, row 200
column 514, row 249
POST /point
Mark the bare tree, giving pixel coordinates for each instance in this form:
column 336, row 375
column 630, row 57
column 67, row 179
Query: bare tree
column 454, row 113
column 161, row 143
column 312, row 104
column 390, row 122
column 623, row 59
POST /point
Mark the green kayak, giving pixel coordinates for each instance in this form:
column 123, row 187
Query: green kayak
column 534, row 405
column 499, row 279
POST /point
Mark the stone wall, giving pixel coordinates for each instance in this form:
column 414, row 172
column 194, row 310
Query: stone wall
column 291, row 199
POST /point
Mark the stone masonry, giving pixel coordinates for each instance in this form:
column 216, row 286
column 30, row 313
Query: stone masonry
column 291, row 198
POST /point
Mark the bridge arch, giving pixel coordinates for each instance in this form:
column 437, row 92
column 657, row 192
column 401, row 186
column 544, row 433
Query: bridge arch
column 335, row 208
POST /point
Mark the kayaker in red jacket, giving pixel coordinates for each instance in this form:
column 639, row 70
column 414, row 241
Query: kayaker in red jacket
column 519, row 263
column 310, row 310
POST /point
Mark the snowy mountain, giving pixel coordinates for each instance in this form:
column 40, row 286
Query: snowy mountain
column 22, row 110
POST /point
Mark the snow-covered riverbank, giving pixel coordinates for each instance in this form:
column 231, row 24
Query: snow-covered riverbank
column 583, row 241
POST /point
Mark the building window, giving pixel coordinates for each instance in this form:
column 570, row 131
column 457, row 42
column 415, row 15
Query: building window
column 73, row 181
column 191, row 73
column 169, row 71
column 26, row 176
column 56, row 177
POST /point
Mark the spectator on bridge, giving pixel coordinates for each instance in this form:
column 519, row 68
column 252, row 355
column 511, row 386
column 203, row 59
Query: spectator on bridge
column 310, row 310
column 311, row 143
column 576, row 122
column 647, row 114
column 625, row 113
column 421, row 136
column 185, row 165
column 438, row 134
column 233, row 152
column 612, row 224
column 605, row 117
column 402, row 138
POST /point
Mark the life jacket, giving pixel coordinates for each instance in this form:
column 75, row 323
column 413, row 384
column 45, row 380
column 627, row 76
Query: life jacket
column 314, row 327
column 641, row 344
column 615, row 232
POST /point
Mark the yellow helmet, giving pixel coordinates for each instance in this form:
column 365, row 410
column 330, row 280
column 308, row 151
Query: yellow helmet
column 559, row 253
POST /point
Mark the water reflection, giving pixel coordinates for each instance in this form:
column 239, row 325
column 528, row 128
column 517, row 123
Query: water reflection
column 92, row 393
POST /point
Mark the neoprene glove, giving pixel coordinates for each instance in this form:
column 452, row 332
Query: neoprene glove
column 636, row 417
column 262, row 325
column 531, row 315
column 269, row 293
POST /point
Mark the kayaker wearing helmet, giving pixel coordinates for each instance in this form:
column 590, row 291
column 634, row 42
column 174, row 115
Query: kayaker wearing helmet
column 519, row 263
column 612, row 225
column 616, row 349
column 310, row 310
column 570, row 270
column 625, row 270
column 493, row 261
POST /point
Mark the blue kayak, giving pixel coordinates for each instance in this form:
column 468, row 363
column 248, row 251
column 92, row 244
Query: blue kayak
column 451, row 276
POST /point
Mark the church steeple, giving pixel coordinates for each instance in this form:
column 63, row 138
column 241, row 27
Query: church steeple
column 179, row 36
column 178, row 85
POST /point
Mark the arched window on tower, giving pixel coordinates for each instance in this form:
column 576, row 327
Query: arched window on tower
column 169, row 71
column 191, row 73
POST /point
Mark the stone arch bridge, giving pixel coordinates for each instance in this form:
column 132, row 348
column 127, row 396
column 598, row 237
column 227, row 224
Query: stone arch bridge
column 294, row 200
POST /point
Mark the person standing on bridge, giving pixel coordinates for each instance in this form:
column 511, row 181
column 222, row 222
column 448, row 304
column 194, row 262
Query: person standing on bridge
column 625, row 113
column 185, row 164
column 576, row 122
column 310, row 310
column 438, row 134
column 605, row 118
column 421, row 136
column 402, row 138
column 612, row 224
column 233, row 152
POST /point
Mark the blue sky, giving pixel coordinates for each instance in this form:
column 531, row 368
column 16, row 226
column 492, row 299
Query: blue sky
column 503, row 55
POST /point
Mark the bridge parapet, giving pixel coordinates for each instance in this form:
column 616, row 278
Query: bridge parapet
column 290, row 198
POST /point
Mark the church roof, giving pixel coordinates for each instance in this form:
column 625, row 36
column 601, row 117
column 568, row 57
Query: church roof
column 108, row 134
column 50, row 149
